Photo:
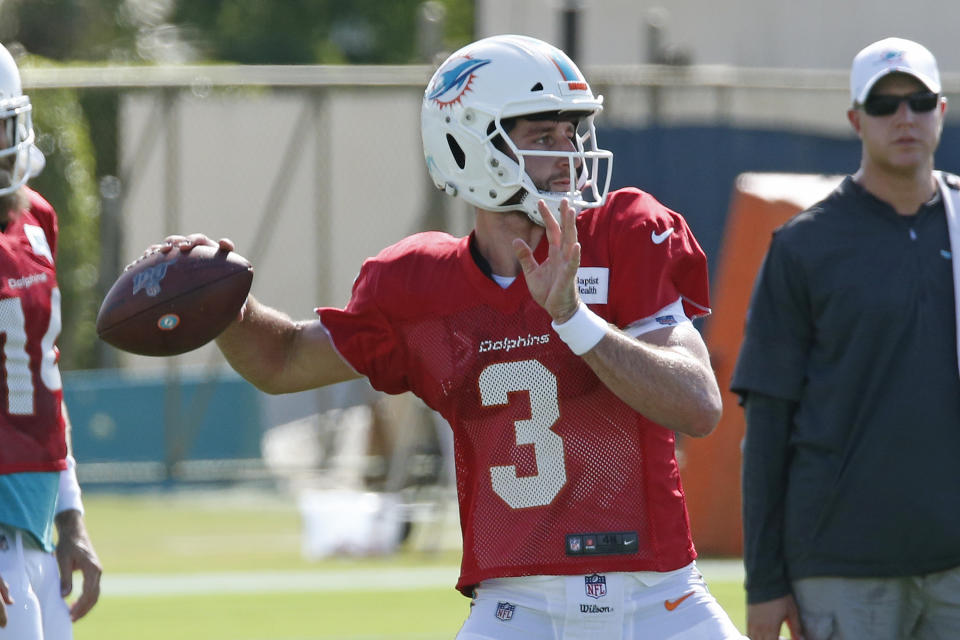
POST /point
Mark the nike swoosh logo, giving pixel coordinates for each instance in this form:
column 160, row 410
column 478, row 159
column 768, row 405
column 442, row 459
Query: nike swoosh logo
column 658, row 238
column 670, row 605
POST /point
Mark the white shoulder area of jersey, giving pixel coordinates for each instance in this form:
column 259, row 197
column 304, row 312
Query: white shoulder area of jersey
column 669, row 316
column 38, row 241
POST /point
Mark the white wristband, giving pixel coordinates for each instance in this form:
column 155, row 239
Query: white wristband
column 582, row 331
column 68, row 496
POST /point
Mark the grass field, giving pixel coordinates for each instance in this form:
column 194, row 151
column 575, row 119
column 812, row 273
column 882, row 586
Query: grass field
column 227, row 566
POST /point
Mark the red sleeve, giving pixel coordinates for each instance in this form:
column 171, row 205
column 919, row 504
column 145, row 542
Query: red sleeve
column 364, row 336
column 655, row 259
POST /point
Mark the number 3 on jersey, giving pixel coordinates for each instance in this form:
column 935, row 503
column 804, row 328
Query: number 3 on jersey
column 16, row 359
column 496, row 383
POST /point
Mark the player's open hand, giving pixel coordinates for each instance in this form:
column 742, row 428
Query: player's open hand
column 75, row 553
column 553, row 282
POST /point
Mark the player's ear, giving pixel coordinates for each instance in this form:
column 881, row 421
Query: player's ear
column 853, row 116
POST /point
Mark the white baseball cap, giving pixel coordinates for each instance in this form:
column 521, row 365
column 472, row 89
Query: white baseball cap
column 892, row 55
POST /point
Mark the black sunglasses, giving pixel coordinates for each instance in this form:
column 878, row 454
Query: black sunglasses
column 885, row 105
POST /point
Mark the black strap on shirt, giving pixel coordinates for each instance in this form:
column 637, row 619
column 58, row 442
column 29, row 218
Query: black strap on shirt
column 478, row 258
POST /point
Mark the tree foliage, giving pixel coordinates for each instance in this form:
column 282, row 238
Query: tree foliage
column 316, row 31
column 91, row 30
column 240, row 31
column 69, row 183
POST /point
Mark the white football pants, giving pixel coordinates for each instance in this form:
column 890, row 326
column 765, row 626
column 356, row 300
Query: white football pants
column 38, row 611
column 675, row 605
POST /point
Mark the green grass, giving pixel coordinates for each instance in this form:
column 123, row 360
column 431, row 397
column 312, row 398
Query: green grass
column 176, row 535
column 732, row 598
column 408, row 615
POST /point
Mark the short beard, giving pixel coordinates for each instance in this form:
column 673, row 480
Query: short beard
column 11, row 202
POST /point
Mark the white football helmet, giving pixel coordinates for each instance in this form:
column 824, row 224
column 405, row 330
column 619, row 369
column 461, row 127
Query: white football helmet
column 16, row 120
column 461, row 121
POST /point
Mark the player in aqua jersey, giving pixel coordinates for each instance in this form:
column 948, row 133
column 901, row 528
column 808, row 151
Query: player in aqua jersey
column 38, row 482
column 556, row 339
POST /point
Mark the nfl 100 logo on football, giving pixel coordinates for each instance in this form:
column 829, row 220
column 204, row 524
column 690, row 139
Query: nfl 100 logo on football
column 505, row 610
column 149, row 279
column 595, row 585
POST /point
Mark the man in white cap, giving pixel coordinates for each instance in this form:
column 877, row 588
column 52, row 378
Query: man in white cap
column 849, row 379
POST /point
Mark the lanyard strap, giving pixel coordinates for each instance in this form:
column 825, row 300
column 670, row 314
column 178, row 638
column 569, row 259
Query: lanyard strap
column 951, row 201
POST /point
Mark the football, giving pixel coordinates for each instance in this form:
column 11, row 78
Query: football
column 171, row 303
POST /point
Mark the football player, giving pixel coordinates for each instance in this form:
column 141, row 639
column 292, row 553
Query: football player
column 556, row 339
column 38, row 482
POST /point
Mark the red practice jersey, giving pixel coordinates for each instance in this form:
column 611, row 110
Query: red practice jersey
column 31, row 421
column 555, row 474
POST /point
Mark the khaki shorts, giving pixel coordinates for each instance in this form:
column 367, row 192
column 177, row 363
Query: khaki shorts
column 910, row 608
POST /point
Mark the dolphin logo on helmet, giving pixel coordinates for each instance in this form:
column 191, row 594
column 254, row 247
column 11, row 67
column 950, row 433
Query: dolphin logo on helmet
column 457, row 78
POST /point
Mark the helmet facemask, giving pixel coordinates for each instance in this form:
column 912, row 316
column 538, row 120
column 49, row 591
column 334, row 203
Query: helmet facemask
column 583, row 163
column 16, row 158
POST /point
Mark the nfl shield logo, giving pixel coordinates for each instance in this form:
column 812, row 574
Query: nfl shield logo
column 595, row 585
column 149, row 280
column 505, row 610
